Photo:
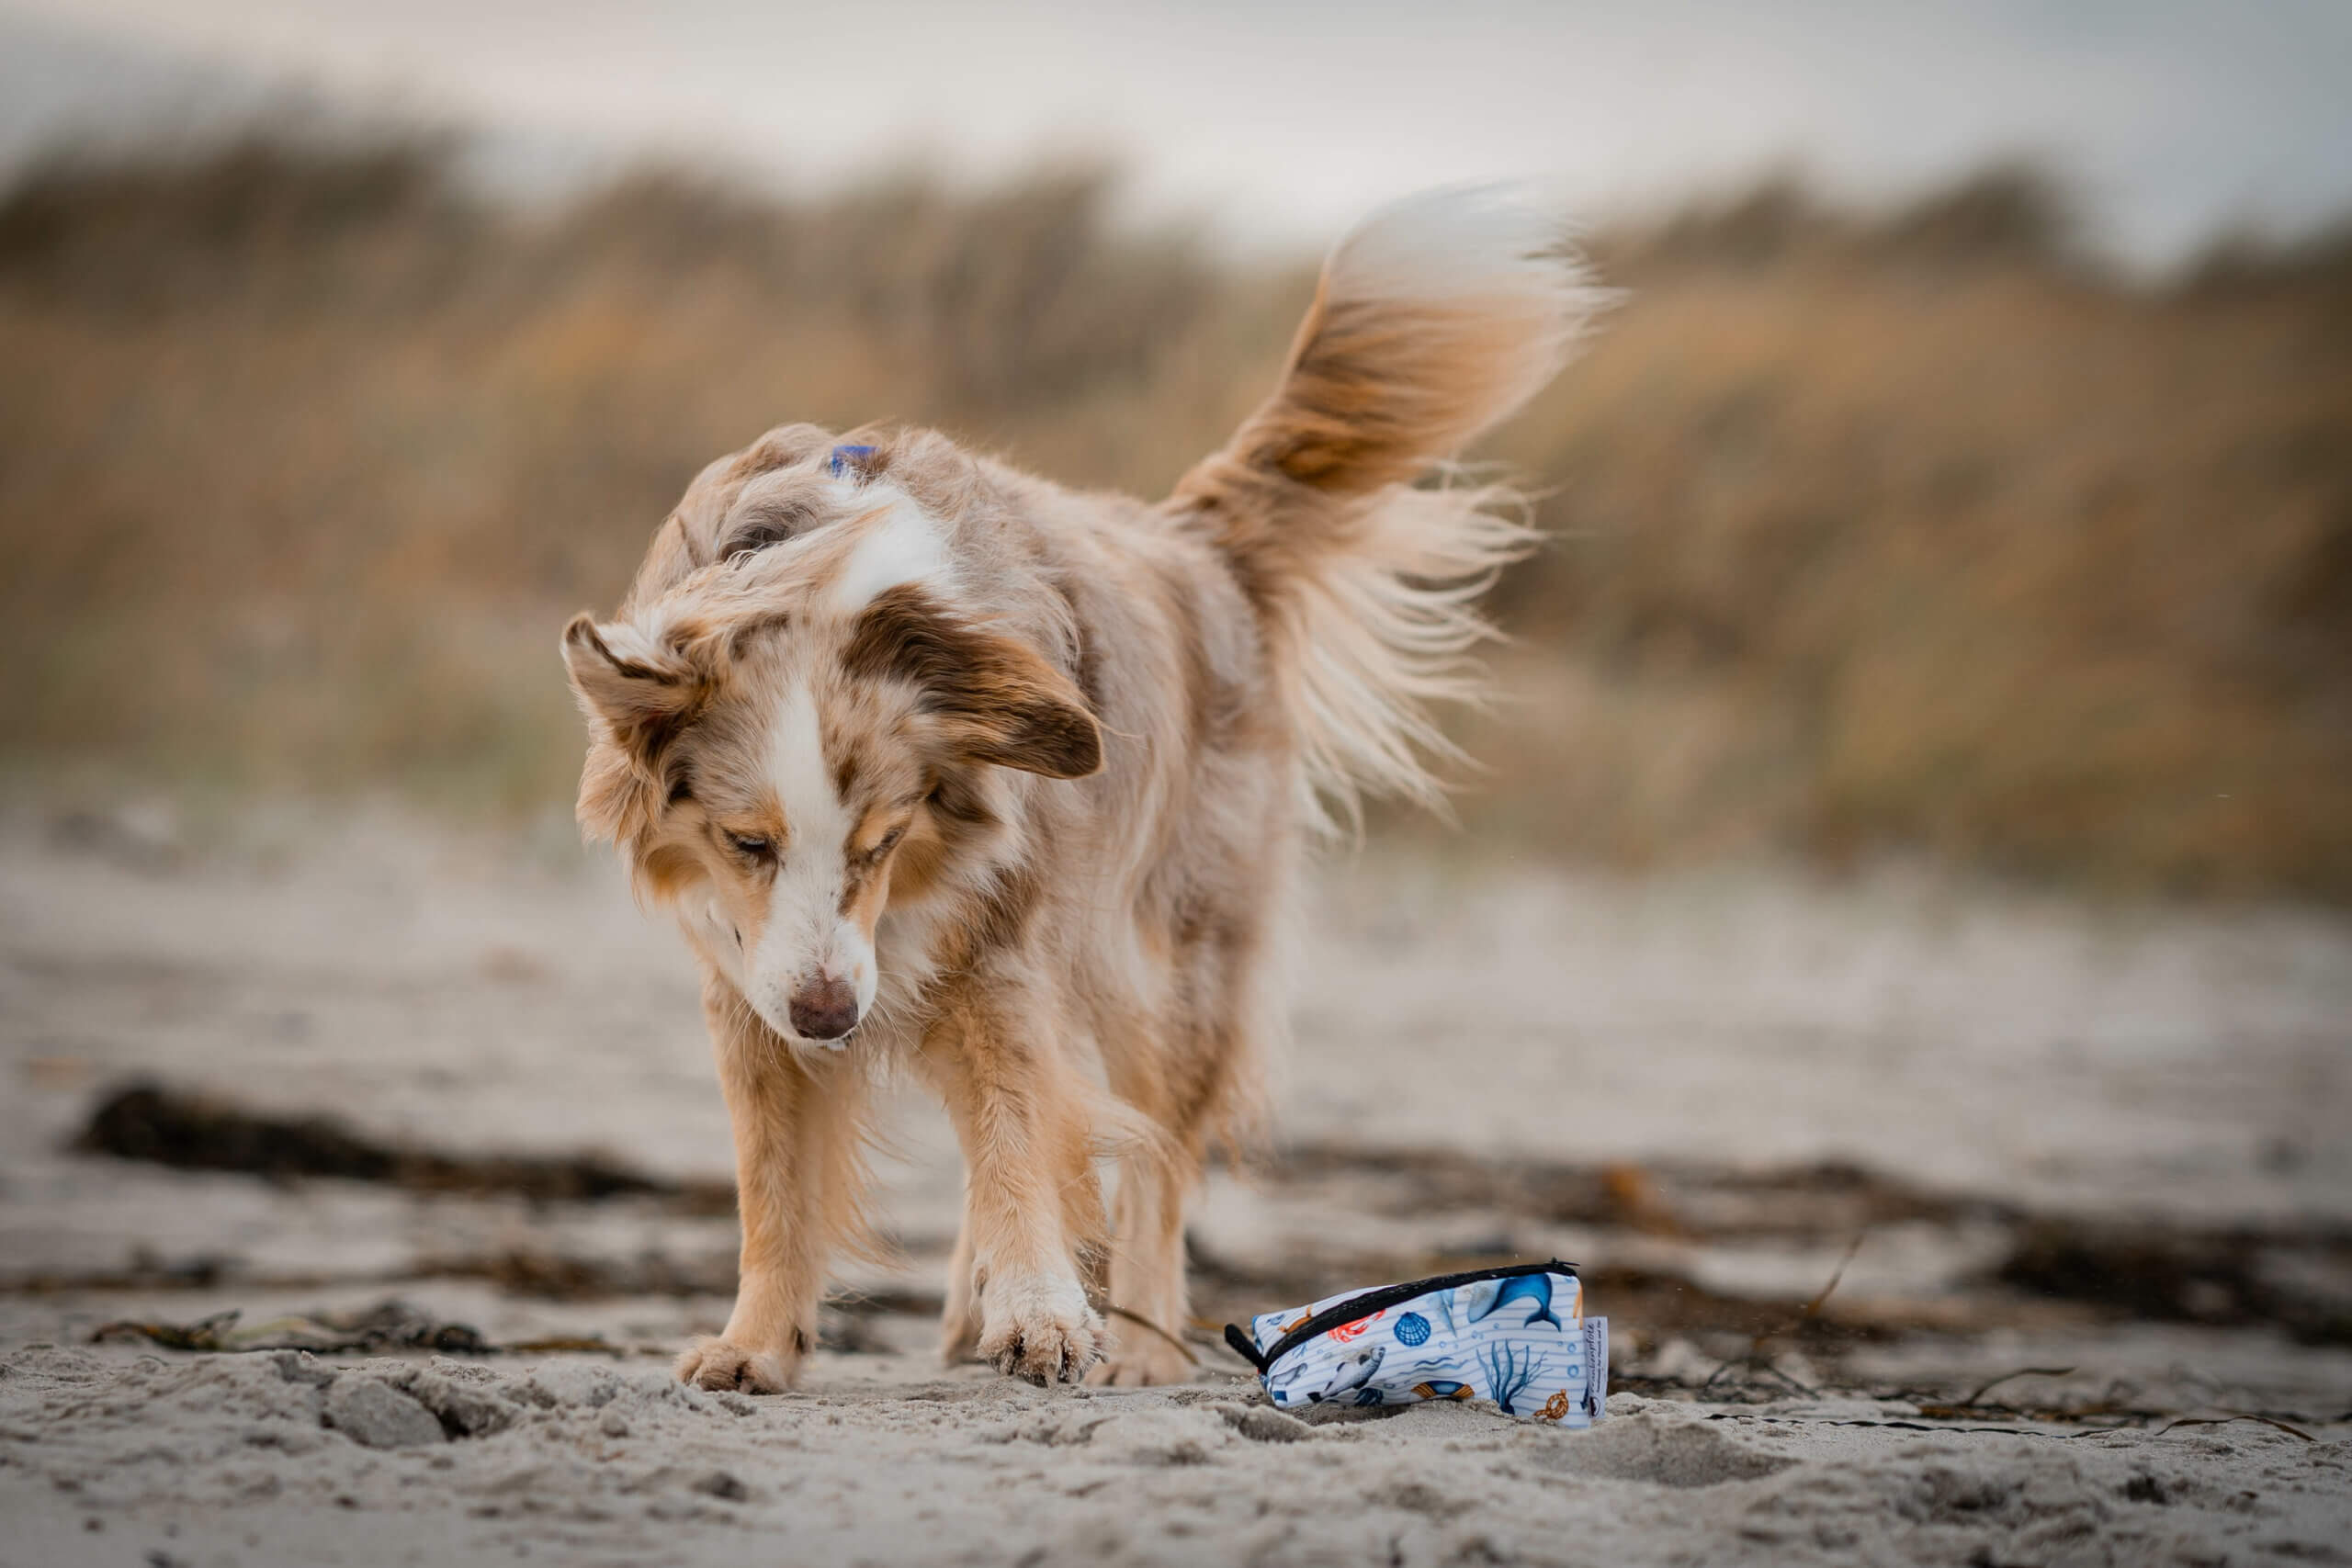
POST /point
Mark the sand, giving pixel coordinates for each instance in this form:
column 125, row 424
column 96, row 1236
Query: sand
column 2019, row 1058
column 258, row 1459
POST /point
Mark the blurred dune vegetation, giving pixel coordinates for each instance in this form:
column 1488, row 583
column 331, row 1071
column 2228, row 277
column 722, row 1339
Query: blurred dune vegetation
column 1911, row 531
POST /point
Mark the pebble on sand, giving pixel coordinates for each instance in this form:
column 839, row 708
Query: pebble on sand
column 369, row 1410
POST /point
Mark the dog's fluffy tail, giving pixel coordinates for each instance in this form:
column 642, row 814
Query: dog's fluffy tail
column 1434, row 322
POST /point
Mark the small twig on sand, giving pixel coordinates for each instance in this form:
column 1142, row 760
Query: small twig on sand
column 2225, row 1420
column 1206, row 1336
column 1756, row 1361
column 1813, row 1308
column 1978, row 1397
column 1138, row 1317
column 585, row 1345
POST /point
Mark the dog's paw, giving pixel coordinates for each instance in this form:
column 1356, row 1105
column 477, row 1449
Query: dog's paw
column 1041, row 1329
column 717, row 1365
column 1140, row 1358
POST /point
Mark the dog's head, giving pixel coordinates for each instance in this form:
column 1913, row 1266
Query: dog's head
column 812, row 724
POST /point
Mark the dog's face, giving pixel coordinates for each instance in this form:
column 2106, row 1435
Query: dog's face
column 804, row 732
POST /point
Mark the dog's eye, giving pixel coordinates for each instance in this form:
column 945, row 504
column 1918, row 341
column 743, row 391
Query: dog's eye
column 884, row 845
column 750, row 846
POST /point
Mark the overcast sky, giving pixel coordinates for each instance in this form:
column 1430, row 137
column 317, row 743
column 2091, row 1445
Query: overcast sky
column 1281, row 121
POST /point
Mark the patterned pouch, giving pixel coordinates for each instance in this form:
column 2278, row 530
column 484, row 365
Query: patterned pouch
column 1517, row 1335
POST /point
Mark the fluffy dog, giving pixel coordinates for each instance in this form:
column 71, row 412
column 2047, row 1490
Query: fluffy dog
column 946, row 769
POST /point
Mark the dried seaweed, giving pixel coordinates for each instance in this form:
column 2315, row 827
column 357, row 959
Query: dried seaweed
column 2170, row 1273
column 388, row 1325
column 147, row 1121
column 392, row 1327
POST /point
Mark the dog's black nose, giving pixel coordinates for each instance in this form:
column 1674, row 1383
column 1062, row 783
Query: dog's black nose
column 824, row 1008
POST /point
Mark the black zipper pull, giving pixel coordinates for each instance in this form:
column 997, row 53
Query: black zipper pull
column 1245, row 1347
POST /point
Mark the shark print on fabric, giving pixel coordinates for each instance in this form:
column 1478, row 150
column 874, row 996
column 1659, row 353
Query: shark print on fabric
column 1531, row 1288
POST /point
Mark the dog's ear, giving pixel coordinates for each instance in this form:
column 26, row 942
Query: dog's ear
column 643, row 692
column 996, row 699
column 1018, row 711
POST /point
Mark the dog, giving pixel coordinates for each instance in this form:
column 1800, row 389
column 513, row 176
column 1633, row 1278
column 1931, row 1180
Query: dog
column 947, row 769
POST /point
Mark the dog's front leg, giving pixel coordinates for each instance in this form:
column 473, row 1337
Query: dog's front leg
column 796, row 1181
column 1030, row 1199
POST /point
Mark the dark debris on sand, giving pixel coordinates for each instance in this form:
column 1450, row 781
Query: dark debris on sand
column 158, row 1125
column 2101, row 1268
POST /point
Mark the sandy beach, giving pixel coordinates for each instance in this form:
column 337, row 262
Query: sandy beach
column 2093, row 1154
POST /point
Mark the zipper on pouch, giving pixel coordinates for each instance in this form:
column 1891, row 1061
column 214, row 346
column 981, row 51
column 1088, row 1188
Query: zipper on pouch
column 1372, row 1301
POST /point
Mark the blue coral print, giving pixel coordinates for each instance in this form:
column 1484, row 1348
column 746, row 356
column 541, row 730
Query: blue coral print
column 1520, row 1340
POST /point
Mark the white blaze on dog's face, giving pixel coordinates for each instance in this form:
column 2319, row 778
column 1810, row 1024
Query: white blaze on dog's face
column 840, row 804
column 816, row 873
column 797, row 760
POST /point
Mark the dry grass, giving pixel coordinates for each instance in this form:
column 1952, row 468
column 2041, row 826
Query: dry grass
column 1907, row 530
